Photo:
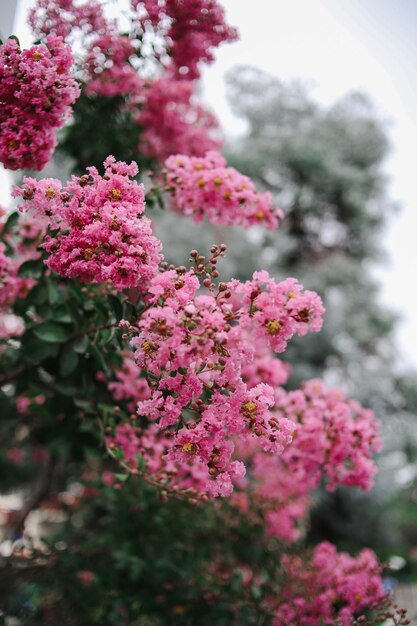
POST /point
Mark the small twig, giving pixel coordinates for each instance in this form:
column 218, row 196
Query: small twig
column 7, row 378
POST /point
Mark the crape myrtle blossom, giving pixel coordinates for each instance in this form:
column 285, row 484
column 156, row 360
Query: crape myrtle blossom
column 205, row 187
column 129, row 385
column 36, row 94
column 98, row 232
column 330, row 589
column 173, row 121
column 336, row 437
column 196, row 352
column 109, row 69
column 191, row 31
column 104, row 65
column 275, row 312
column 63, row 16
column 18, row 245
column 334, row 440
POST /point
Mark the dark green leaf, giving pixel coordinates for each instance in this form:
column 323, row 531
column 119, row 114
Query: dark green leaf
column 37, row 350
column 52, row 333
column 54, row 293
column 99, row 358
column 80, row 345
column 10, row 222
column 117, row 306
column 31, row 269
column 68, row 361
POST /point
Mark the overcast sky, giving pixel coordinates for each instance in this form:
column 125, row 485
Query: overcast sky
column 337, row 46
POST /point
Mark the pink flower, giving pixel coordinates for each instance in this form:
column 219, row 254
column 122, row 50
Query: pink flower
column 330, row 588
column 109, row 68
column 36, row 91
column 191, row 30
column 61, row 17
column 101, row 232
column 275, row 312
column 86, row 578
column 334, row 441
column 205, row 187
column 173, row 121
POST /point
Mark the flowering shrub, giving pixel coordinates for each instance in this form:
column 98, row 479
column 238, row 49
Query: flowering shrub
column 36, row 91
column 135, row 389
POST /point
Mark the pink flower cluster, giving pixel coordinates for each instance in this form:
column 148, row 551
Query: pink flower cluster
column 61, row 17
column 334, row 440
column 36, row 92
column 192, row 29
column 336, row 437
column 129, row 385
column 105, row 68
column 195, row 350
column 109, row 69
column 98, row 230
column 173, row 121
column 274, row 312
column 329, row 589
column 20, row 246
column 205, row 187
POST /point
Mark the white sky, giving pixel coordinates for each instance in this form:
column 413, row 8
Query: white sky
column 337, row 46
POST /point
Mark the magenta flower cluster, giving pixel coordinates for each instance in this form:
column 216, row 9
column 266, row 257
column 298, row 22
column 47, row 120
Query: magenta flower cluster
column 174, row 122
column 334, row 441
column 191, row 30
column 98, row 232
column 197, row 350
column 330, row 589
column 205, row 187
column 36, row 94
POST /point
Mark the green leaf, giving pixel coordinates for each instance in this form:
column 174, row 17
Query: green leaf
column 62, row 315
column 68, row 362
column 86, row 405
column 66, row 389
column 80, row 345
column 15, row 38
column 54, row 293
column 99, row 358
column 117, row 306
column 52, row 333
column 10, row 223
column 31, row 269
column 37, row 350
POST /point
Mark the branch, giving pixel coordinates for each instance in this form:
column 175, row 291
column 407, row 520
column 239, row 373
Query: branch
column 7, row 378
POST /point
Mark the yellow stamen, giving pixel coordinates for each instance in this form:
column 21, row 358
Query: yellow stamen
column 88, row 253
column 50, row 193
column 273, row 327
column 249, row 408
column 148, row 347
column 115, row 194
column 190, row 447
